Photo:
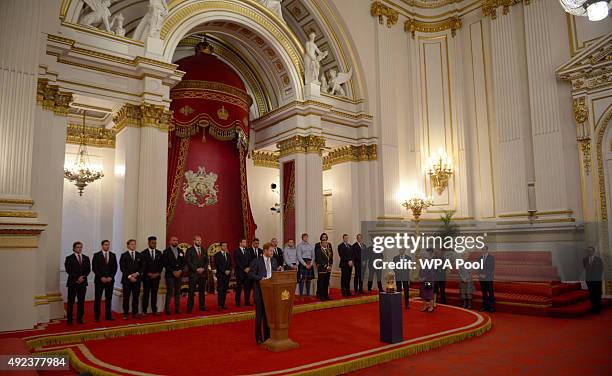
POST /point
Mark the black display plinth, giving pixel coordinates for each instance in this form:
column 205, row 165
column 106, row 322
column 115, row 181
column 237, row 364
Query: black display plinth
column 391, row 326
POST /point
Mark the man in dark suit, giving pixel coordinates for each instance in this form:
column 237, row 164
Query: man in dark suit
column 78, row 267
column 131, row 267
column 197, row 260
column 402, row 276
column 174, row 263
column 104, row 265
column 261, row 268
column 593, row 268
column 223, row 265
column 277, row 252
column 359, row 250
column 372, row 271
column 151, row 275
column 243, row 260
column 345, row 251
column 255, row 250
column 486, row 280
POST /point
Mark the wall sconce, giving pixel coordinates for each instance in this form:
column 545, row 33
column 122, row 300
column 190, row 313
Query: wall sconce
column 439, row 169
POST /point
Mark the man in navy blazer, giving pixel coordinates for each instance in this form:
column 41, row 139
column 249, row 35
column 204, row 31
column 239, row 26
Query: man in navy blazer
column 104, row 265
column 78, row 267
column 153, row 264
column 243, row 258
column 261, row 268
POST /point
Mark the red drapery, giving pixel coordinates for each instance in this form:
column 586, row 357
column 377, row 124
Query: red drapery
column 289, row 201
column 207, row 184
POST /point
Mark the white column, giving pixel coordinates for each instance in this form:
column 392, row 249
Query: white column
column 152, row 173
column 48, row 194
column 550, row 166
column 388, row 173
column 19, row 40
column 511, row 99
column 125, row 211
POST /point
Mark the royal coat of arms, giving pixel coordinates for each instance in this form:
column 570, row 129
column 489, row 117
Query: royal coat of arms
column 201, row 188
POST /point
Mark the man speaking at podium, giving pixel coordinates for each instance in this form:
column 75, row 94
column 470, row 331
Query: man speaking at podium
column 261, row 268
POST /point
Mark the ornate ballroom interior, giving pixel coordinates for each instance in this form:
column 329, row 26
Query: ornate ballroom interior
column 246, row 118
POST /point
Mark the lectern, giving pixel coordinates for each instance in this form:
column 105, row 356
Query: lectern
column 278, row 293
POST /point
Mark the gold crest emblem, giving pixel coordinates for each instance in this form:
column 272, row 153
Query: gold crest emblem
column 222, row 113
column 285, row 295
column 186, row 110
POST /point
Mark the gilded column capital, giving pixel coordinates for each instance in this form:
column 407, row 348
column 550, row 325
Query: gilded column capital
column 143, row 115
column 156, row 116
column 265, row 159
column 301, row 144
column 489, row 7
column 350, row 153
column 413, row 25
column 383, row 11
column 51, row 98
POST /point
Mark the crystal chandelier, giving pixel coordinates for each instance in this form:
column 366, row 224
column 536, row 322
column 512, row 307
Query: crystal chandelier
column 595, row 10
column 439, row 169
column 416, row 204
column 81, row 173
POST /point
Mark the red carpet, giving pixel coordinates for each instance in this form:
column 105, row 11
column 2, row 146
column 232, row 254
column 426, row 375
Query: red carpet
column 211, row 304
column 519, row 345
column 229, row 349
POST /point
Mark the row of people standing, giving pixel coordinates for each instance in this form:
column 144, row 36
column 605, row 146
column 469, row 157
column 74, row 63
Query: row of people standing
column 308, row 259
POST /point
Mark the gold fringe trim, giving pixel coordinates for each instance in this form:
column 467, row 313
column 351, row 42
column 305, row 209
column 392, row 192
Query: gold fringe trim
column 402, row 352
column 77, row 363
column 335, row 369
column 133, row 329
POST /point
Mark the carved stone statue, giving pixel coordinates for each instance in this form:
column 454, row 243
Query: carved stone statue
column 312, row 61
column 274, row 6
column 119, row 30
column 150, row 25
column 336, row 80
column 99, row 14
column 324, row 85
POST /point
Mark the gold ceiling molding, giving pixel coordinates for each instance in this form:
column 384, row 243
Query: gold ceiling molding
column 383, row 12
column 349, row 153
column 94, row 136
column 270, row 23
column 16, row 201
column 431, row 4
column 301, row 144
column 489, row 7
column 144, row 115
column 18, row 214
column 51, row 98
column 265, row 159
column 413, row 25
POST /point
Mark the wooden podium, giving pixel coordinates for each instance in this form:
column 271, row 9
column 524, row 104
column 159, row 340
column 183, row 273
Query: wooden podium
column 278, row 294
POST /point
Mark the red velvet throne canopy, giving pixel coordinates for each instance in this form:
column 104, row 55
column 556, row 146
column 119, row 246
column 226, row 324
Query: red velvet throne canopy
column 207, row 186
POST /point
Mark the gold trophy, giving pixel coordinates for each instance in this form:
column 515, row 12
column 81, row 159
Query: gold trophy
column 390, row 282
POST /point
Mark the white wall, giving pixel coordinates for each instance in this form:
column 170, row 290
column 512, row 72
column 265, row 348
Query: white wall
column 262, row 198
column 88, row 218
